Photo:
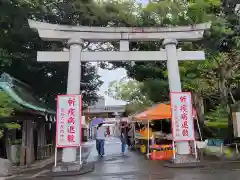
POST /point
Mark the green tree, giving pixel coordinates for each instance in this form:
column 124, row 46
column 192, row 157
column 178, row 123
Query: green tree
column 130, row 91
column 19, row 44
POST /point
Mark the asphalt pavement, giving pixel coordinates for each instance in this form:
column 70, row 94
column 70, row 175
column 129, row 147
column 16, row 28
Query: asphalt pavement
column 35, row 173
column 134, row 166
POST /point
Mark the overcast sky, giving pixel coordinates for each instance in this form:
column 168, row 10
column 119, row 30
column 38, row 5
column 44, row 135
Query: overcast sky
column 108, row 76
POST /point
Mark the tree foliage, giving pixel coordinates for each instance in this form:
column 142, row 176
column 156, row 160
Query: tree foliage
column 131, row 91
column 19, row 45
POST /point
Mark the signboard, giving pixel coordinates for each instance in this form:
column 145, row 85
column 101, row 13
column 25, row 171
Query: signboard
column 106, row 109
column 182, row 119
column 69, row 122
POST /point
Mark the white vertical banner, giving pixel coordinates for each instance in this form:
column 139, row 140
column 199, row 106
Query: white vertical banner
column 182, row 119
column 69, row 125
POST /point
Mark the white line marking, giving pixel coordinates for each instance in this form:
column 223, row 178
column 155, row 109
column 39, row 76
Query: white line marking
column 41, row 172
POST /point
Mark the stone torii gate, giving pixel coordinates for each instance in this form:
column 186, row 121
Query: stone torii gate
column 77, row 35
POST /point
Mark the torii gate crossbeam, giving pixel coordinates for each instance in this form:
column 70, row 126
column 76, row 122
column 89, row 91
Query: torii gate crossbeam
column 43, row 56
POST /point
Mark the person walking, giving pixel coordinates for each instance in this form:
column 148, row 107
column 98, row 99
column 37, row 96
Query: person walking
column 100, row 139
column 108, row 131
column 130, row 136
column 123, row 136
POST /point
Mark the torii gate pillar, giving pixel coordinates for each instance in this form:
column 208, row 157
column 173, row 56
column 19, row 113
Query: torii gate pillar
column 172, row 65
column 73, row 84
column 174, row 80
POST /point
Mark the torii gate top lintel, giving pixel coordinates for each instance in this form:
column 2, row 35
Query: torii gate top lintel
column 57, row 27
column 58, row 32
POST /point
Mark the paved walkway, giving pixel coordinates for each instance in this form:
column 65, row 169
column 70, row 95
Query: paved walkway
column 29, row 173
column 134, row 166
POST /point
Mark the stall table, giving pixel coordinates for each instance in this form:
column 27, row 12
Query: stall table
column 141, row 142
column 161, row 152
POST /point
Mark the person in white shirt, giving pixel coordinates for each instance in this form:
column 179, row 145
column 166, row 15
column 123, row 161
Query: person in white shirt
column 100, row 139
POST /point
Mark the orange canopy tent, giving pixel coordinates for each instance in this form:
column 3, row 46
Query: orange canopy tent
column 158, row 111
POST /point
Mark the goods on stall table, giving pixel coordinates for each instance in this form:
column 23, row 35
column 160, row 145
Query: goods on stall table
column 161, row 147
column 161, row 155
column 143, row 133
column 141, row 138
column 161, row 152
column 143, row 149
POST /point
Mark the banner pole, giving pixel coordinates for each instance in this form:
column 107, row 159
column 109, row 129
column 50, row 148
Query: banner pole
column 195, row 149
column 55, row 157
column 199, row 129
column 148, row 140
column 174, row 150
column 80, row 156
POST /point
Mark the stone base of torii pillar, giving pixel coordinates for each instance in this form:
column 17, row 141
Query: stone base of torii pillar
column 183, row 161
column 71, row 169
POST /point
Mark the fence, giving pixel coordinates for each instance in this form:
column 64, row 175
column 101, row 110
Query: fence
column 45, row 151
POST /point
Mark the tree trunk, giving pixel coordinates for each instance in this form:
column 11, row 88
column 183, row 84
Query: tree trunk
column 199, row 105
column 227, row 105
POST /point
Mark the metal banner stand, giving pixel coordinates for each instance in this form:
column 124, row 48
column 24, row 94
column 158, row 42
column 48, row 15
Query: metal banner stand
column 134, row 134
column 199, row 130
column 55, row 157
column 174, row 149
column 195, row 149
column 148, row 146
column 80, row 156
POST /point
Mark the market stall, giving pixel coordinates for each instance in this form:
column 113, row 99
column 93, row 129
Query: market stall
column 157, row 145
column 146, row 138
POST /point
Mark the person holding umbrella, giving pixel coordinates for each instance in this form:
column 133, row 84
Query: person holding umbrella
column 95, row 122
column 100, row 139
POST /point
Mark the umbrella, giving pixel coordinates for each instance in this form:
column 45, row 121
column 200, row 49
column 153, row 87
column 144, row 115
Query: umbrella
column 97, row 121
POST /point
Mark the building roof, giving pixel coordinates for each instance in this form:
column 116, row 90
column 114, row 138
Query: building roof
column 105, row 109
column 22, row 96
column 101, row 107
